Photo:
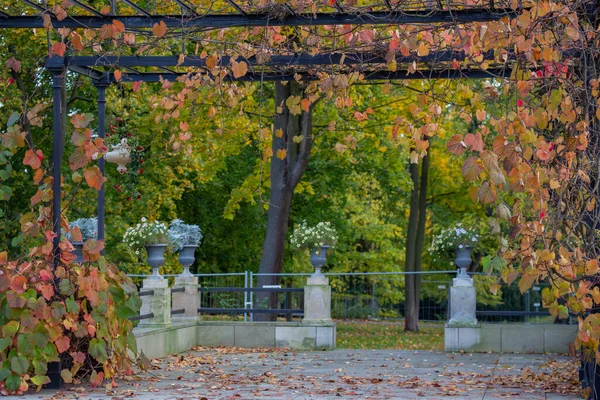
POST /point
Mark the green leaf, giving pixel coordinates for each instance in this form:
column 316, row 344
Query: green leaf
column 66, row 375
column 19, row 364
column 14, row 117
column 72, row 305
column 40, row 367
column 97, row 349
column 4, row 343
column 25, row 343
column 40, row 338
column 40, row 380
column 66, row 287
column 563, row 312
column 134, row 303
column 124, row 312
column 4, row 373
column 13, row 382
column 486, row 263
column 497, row 264
column 10, row 329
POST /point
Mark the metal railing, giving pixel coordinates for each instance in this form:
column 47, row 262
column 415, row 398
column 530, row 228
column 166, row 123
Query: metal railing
column 370, row 295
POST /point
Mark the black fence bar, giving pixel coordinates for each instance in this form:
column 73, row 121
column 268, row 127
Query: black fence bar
column 141, row 317
column 249, row 310
column 220, row 21
column 146, row 293
column 178, row 290
column 268, row 290
column 513, row 313
column 180, row 311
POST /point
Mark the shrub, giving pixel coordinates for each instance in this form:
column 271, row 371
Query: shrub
column 182, row 234
column 74, row 313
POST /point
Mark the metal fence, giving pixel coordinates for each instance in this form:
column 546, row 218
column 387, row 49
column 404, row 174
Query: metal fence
column 374, row 295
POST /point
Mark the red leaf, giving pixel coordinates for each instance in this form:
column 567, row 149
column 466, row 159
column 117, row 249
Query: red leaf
column 63, row 344
column 96, row 378
column 78, row 357
column 46, row 290
column 18, row 283
column 13, row 64
column 46, row 275
column 59, row 49
column 136, row 86
column 475, row 142
column 456, row 145
column 34, row 160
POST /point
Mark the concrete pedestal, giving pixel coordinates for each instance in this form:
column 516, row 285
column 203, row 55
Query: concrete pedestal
column 463, row 302
column 317, row 300
column 159, row 304
column 187, row 300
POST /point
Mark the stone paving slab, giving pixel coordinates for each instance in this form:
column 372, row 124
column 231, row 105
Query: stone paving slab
column 351, row 374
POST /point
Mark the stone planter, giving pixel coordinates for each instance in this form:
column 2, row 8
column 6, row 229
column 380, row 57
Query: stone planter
column 156, row 258
column 78, row 252
column 318, row 258
column 463, row 259
column 186, row 258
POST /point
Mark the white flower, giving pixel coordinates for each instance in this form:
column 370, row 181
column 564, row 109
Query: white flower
column 143, row 219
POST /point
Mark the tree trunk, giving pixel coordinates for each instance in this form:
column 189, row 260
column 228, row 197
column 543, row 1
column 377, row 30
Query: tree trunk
column 285, row 175
column 411, row 316
column 421, row 232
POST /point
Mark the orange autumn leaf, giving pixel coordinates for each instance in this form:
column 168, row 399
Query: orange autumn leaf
column 94, row 177
column 281, row 154
column 239, row 68
column 159, row 29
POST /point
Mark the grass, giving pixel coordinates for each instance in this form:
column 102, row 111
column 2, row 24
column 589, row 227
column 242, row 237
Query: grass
column 388, row 335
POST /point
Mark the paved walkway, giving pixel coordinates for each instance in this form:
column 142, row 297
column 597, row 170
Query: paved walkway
column 352, row 374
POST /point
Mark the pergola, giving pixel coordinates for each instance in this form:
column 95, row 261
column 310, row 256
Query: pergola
column 185, row 16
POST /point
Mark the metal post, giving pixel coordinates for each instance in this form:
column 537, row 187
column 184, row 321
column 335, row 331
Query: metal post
column 57, row 85
column 101, row 86
column 54, row 368
column 527, row 305
column 245, row 295
column 373, row 299
column 251, row 295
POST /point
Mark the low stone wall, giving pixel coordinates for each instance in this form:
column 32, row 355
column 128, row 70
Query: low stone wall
column 297, row 335
column 182, row 336
column 511, row 338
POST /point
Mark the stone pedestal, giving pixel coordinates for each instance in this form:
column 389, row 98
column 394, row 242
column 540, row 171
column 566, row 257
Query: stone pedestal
column 159, row 304
column 187, row 300
column 463, row 302
column 317, row 300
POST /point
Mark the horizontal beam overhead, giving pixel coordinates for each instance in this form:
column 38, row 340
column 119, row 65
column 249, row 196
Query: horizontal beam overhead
column 263, row 19
column 273, row 61
column 258, row 77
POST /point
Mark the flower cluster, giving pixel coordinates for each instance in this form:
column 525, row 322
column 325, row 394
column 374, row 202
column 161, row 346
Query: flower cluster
column 146, row 233
column 312, row 237
column 181, row 234
column 449, row 239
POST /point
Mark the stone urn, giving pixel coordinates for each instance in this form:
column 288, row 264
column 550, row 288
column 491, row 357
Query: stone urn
column 318, row 258
column 186, row 258
column 156, row 258
column 463, row 259
column 120, row 155
column 78, row 252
